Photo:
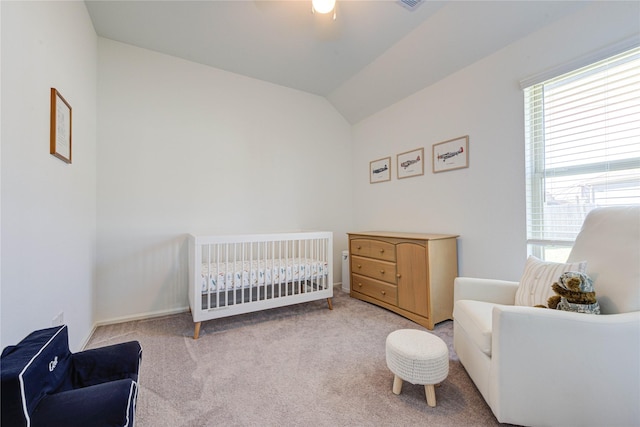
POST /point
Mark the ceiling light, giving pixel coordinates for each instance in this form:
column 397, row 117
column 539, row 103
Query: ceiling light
column 323, row 6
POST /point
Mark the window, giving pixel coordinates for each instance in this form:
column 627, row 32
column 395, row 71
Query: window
column 582, row 149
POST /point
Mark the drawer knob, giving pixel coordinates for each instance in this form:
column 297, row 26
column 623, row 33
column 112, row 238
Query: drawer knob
column 358, row 247
column 381, row 251
column 359, row 285
column 359, row 266
column 384, row 293
column 398, row 275
column 381, row 271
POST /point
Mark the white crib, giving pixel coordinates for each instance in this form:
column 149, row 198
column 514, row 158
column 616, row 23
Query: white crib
column 238, row 274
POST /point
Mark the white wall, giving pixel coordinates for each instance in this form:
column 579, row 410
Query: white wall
column 188, row 148
column 48, row 207
column 484, row 203
column 183, row 148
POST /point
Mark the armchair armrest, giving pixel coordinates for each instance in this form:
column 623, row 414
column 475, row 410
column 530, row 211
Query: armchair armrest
column 584, row 357
column 487, row 290
column 114, row 362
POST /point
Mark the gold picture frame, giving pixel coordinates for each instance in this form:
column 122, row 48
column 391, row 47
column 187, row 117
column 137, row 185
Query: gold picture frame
column 451, row 154
column 380, row 170
column 60, row 134
column 410, row 163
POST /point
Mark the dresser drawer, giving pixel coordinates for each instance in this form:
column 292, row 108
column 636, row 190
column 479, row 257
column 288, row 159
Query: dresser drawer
column 375, row 288
column 381, row 270
column 374, row 249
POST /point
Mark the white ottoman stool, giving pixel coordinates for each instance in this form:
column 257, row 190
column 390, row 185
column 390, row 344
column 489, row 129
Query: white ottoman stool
column 418, row 357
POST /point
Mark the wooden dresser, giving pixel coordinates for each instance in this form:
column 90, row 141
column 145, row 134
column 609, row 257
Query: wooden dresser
column 408, row 273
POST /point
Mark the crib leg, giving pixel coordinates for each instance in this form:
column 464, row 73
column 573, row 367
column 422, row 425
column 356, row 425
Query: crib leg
column 330, row 303
column 196, row 332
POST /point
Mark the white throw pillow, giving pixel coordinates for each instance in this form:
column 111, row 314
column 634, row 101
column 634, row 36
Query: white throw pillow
column 538, row 276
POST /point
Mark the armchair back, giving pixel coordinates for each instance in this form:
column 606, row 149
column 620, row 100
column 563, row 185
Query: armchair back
column 37, row 366
column 610, row 243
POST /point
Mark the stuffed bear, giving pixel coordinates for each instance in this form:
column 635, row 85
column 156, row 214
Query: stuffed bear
column 574, row 293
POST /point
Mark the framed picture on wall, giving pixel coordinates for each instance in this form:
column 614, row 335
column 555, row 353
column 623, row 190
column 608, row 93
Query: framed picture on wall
column 410, row 163
column 60, row 134
column 451, row 154
column 380, row 170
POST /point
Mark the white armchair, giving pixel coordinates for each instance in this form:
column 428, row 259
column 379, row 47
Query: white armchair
column 543, row 367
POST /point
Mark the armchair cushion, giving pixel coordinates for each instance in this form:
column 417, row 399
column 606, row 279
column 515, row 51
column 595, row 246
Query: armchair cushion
column 538, row 277
column 107, row 404
column 475, row 318
column 488, row 290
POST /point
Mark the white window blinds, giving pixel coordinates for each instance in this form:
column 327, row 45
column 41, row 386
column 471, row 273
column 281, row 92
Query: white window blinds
column 582, row 147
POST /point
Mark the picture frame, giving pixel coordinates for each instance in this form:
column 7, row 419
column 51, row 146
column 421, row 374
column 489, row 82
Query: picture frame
column 60, row 134
column 451, row 154
column 410, row 163
column 380, row 170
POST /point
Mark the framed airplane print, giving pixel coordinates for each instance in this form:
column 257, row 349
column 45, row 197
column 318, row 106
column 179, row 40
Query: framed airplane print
column 380, row 170
column 410, row 163
column 451, row 154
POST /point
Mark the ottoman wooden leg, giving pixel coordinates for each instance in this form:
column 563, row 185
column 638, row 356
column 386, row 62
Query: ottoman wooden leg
column 397, row 384
column 430, row 391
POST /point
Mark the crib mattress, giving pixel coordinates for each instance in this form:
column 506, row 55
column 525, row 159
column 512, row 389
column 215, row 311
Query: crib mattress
column 245, row 274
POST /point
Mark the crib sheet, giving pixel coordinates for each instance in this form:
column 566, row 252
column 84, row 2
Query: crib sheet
column 244, row 274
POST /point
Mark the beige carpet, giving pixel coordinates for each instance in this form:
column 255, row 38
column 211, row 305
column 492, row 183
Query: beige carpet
column 302, row 365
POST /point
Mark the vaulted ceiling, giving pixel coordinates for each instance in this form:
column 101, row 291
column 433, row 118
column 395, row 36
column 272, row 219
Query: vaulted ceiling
column 374, row 54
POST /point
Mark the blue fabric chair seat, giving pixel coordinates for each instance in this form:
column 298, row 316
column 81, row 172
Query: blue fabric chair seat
column 44, row 384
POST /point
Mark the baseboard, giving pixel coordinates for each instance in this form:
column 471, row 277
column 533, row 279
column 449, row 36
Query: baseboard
column 88, row 338
column 140, row 316
column 338, row 286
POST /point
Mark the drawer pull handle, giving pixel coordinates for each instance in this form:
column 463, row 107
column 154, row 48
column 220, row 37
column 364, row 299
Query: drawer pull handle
column 381, row 271
column 358, row 247
column 398, row 275
column 381, row 251
column 384, row 293
column 359, row 285
column 359, row 266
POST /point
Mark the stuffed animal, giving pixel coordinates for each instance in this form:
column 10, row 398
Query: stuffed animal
column 574, row 293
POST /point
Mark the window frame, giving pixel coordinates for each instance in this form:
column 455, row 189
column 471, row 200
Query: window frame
column 537, row 173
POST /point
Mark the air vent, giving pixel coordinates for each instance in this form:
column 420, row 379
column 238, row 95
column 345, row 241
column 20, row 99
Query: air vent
column 410, row 4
